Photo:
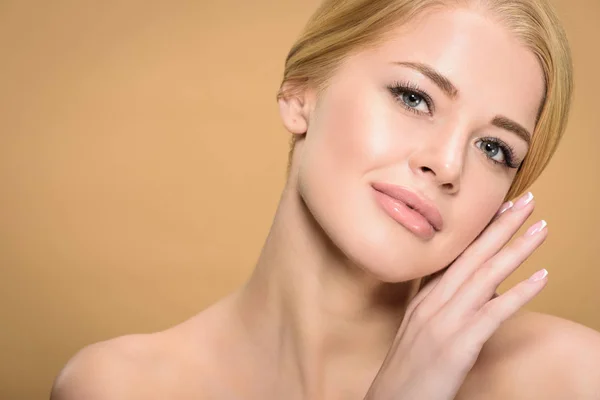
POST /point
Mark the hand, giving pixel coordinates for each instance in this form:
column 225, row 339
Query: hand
column 450, row 319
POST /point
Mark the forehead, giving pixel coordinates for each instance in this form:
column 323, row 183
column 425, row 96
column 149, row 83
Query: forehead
column 491, row 68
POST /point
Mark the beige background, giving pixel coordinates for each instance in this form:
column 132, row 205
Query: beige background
column 141, row 161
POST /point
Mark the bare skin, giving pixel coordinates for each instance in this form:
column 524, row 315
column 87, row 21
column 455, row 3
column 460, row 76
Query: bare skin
column 184, row 363
column 320, row 313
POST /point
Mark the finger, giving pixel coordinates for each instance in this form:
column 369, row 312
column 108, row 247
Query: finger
column 487, row 244
column 416, row 301
column 481, row 286
column 489, row 318
column 427, row 285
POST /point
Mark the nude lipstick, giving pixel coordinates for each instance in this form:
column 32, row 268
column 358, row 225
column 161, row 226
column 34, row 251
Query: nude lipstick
column 409, row 209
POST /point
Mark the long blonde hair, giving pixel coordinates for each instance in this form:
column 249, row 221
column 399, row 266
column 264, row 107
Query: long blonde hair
column 341, row 27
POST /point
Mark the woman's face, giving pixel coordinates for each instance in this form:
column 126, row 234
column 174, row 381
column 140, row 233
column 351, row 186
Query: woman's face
column 437, row 110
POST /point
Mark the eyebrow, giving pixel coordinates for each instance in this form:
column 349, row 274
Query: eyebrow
column 511, row 126
column 440, row 80
column 451, row 91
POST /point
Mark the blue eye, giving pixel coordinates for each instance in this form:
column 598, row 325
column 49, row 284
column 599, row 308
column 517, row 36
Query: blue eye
column 497, row 151
column 411, row 98
column 493, row 150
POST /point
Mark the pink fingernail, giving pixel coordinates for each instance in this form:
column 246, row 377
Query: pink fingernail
column 538, row 276
column 538, row 227
column 523, row 201
column 505, row 207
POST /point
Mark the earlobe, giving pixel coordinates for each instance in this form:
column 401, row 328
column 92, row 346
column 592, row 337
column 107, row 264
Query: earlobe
column 294, row 113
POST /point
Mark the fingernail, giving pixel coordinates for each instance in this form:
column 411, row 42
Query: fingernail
column 523, row 201
column 504, row 207
column 538, row 276
column 536, row 228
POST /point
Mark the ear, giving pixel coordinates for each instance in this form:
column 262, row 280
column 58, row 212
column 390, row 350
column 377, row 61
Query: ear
column 294, row 108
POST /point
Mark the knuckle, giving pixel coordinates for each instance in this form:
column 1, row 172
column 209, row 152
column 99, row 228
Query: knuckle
column 434, row 337
column 515, row 297
column 488, row 313
column 483, row 273
column 519, row 249
column 467, row 346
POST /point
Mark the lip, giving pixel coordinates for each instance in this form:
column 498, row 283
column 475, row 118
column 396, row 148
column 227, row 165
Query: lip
column 410, row 209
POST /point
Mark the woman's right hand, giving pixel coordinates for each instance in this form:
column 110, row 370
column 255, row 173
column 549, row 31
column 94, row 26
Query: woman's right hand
column 450, row 319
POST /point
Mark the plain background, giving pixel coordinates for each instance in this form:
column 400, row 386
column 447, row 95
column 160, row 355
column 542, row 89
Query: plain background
column 142, row 158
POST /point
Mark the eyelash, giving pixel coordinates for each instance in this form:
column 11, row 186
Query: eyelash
column 508, row 150
column 397, row 89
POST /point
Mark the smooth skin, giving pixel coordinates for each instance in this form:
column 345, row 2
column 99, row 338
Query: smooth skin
column 449, row 321
column 332, row 309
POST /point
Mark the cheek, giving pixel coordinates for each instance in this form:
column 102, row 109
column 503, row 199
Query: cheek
column 351, row 134
column 482, row 194
column 354, row 129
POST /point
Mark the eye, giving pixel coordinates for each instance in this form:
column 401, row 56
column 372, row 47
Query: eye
column 492, row 150
column 414, row 101
column 412, row 98
column 497, row 151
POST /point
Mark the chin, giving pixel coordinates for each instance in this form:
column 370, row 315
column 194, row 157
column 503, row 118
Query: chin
column 391, row 258
column 370, row 239
column 380, row 247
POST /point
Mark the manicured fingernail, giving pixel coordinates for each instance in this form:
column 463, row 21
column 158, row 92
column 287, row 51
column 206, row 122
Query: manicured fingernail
column 538, row 276
column 504, row 207
column 523, row 201
column 538, row 227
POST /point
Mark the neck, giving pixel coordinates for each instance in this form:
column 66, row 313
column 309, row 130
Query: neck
column 313, row 313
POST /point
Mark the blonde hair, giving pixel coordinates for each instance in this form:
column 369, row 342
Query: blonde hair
column 341, row 27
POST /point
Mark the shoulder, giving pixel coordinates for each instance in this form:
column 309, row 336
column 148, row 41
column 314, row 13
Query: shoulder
column 111, row 369
column 535, row 355
column 174, row 363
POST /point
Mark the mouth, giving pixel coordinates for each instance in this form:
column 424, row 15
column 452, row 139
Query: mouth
column 409, row 208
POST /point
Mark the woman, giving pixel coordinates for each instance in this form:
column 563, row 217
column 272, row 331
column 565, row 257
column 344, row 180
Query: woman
column 412, row 123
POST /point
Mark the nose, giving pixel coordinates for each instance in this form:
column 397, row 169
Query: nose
column 440, row 159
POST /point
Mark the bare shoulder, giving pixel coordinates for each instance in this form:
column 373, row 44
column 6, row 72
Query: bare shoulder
column 167, row 364
column 535, row 356
column 175, row 363
column 105, row 370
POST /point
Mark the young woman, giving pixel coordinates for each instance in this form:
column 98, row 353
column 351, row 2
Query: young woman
column 413, row 123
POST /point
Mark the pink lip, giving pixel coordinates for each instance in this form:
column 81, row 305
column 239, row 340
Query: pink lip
column 408, row 208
